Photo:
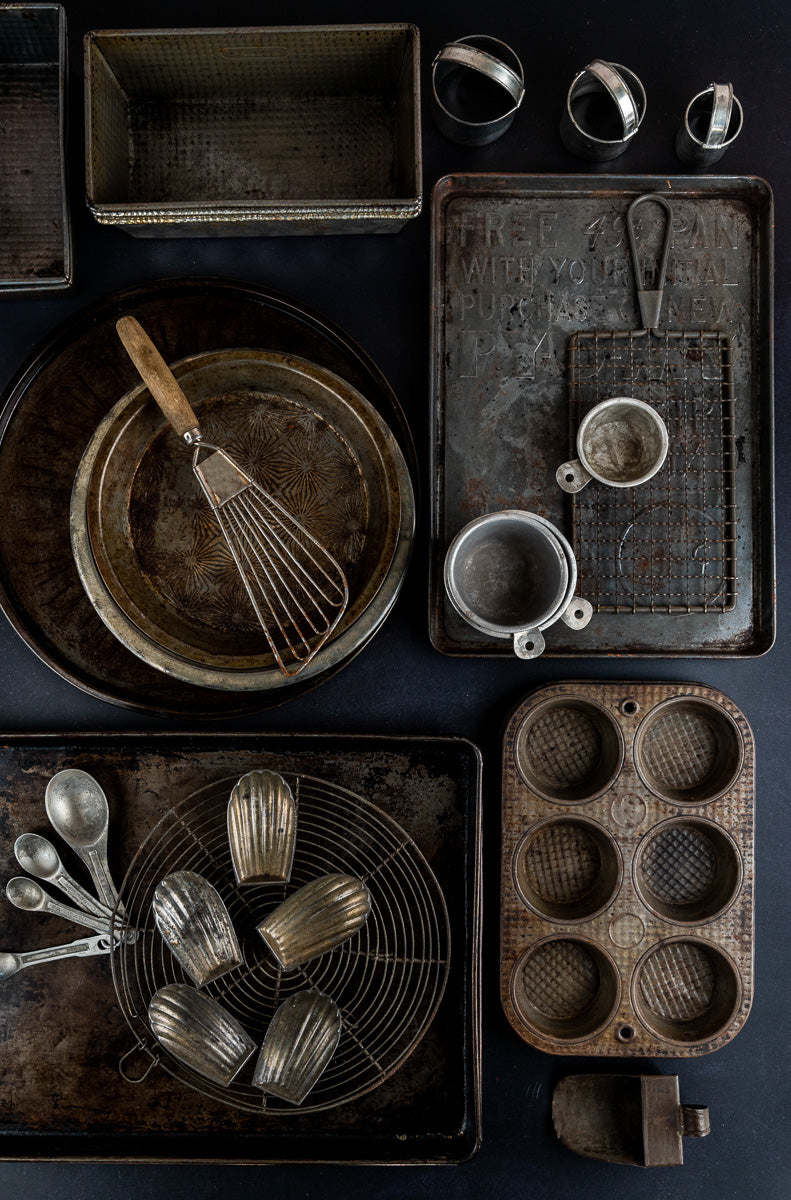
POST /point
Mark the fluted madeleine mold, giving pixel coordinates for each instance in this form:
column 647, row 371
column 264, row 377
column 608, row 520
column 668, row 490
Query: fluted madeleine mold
column 262, row 828
column 194, row 921
column 321, row 915
column 198, row 1031
column 298, row 1045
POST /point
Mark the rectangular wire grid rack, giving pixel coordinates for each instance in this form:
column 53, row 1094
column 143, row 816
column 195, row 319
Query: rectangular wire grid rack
column 669, row 545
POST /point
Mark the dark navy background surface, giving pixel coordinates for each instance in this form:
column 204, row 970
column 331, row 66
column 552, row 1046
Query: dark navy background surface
column 377, row 289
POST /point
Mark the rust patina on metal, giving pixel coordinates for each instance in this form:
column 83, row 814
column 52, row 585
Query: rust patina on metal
column 61, row 1094
column 627, row 869
column 521, row 264
column 78, row 375
column 35, row 240
column 234, row 132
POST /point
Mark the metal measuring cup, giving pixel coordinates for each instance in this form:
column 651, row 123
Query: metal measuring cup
column 621, row 442
column 512, row 574
column 724, row 125
column 583, row 134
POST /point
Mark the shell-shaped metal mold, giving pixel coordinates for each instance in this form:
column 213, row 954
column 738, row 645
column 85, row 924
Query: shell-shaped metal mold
column 194, row 921
column 315, row 919
column 198, row 1031
column 298, row 1045
column 262, row 828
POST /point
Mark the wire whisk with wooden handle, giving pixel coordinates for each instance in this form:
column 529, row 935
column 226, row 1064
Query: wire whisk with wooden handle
column 297, row 589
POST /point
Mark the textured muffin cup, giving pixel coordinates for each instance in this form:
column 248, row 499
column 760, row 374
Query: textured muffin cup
column 194, row 922
column 686, row 990
column 688, row 750
column 198, row 1032
column 262, row 828
column 567, row 869
column 298, row 1046
column 318, row 917
column 565, row 989
column 687, row 870
column 569, row 750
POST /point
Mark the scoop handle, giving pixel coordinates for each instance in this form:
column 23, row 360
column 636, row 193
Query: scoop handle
column 158, row 378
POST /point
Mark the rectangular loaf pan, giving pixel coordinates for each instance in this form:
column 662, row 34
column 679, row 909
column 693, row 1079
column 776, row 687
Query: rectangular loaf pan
column 222, row 132
column 35, row 245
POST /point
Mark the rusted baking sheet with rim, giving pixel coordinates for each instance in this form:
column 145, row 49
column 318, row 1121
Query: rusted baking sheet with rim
column 35, row 236
column 626, row 918
column 234, row 132
column 521, row 263
column 63, row 1021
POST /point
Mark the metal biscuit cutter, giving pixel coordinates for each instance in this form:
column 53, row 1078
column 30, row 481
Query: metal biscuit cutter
column 585, row 133
column 724, row 125
column 468, row 119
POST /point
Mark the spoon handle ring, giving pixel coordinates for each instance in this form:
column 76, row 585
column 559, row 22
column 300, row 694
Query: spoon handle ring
column 79, row 949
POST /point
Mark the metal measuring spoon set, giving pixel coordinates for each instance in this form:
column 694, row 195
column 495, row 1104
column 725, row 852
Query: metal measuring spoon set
column 77, row 809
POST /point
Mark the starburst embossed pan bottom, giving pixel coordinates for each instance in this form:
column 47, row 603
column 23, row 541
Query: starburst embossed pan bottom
column 154, row 562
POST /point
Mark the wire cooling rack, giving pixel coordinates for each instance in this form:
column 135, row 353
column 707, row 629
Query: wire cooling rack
column 387, row 980
column 669, row 545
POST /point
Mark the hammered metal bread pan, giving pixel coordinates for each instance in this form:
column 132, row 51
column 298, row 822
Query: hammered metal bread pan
column 151, row 558
column 627, row 869
column 223, row 132
column 35, row 238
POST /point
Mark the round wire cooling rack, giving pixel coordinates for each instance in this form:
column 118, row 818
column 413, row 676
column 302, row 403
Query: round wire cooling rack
column 387, row 980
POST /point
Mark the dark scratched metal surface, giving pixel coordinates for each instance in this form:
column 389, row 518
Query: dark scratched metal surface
column 674, row 924
column 59, row 1076
column 520, row 264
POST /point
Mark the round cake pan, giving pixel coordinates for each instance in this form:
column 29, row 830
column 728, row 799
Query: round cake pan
column 152, row 560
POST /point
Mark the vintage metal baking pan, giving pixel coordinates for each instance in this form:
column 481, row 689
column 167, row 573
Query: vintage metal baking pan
column 152, row 572
column 527, row 272
column 64, row 1020
column 35, row 239
column 223, row 132
column 51, row 410
column 626, row 917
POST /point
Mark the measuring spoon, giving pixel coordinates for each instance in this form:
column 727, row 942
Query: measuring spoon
column 39, row 857
column 77, row 810
column 27, row 894
column 10, row 963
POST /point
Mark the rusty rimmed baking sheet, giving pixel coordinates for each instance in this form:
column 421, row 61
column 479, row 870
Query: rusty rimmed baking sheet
column 61, row 1096
column 520, row 263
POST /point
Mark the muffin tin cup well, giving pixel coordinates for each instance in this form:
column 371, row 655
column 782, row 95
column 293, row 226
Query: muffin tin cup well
column 567, row 868
column 569, row 750
column 566, row 989
column 688, row 870
column 627, row 869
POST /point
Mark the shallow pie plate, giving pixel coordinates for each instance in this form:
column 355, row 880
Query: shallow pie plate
column 150, row 557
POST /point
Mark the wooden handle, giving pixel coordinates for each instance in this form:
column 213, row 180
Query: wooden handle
column 158, row 378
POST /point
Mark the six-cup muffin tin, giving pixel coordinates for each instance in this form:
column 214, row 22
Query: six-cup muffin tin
column 627, row 869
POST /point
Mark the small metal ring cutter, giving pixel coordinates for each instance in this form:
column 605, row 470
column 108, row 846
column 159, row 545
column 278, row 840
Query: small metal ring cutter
column 491, row 58
column 725, row 125
column 626, row 92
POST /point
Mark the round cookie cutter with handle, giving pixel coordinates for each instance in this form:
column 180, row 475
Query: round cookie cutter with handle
column 512, row 574
column 583, row 133
column 724, row 125
column 491, row 59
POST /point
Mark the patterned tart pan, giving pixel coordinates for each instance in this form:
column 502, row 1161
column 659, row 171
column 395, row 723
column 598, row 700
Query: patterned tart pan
column 50, row 411
column 151, row 556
